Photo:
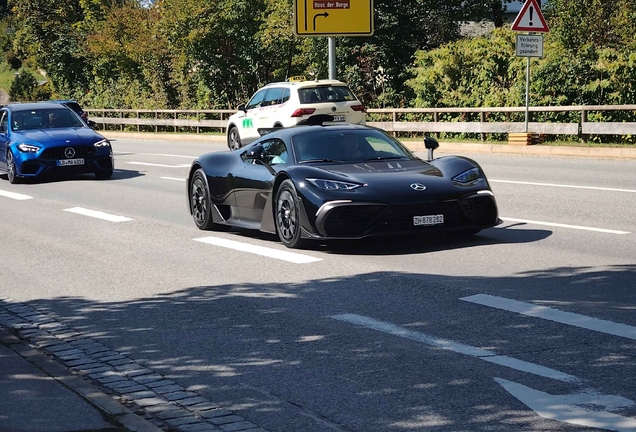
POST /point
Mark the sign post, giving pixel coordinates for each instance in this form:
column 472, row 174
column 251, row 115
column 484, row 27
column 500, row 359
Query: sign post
column 333, row 18
column 530, row 19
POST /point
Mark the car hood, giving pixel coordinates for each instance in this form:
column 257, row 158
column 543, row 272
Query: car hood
column 373, row 170
column 59, row 136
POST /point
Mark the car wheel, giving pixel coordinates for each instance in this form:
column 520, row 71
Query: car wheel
column 12, row 175
column 233, row 139
column 201, row 205
column 104, row 174
column 288, row 215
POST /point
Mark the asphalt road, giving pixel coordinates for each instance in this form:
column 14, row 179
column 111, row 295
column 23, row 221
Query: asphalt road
column 527, row 326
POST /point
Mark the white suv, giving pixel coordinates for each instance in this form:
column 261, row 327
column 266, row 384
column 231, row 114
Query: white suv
column 284, row 104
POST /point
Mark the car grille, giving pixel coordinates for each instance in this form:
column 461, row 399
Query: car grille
column 58, row 152
column 359, row 220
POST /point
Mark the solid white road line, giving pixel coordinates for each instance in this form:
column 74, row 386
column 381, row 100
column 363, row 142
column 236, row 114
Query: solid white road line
column 457, row 347
column 159, row 165
column 563, row 186
column 553, row 224
column 560, row 408
column 15, row 196
column 259, row 250
column 174, row 178
column 569, row 318
column 98, row 214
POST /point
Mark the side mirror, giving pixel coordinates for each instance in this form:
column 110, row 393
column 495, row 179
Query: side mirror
column 431, row 144
column 255, row 153
column 241, row 107
column 92, row 124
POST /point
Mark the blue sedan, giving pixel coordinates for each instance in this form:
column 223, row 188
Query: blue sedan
column 43, row 139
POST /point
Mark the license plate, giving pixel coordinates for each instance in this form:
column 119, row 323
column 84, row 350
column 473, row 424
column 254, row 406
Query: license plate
column 67, row 162
column 428, row 220
column 339, row 118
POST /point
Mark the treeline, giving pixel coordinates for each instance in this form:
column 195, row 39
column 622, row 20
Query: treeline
column 216, row 53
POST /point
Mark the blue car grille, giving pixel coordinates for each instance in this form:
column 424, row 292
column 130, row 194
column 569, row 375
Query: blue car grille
column 58, row 152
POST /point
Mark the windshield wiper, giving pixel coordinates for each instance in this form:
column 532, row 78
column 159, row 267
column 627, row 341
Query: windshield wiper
column 318, row 160
column 379, row 158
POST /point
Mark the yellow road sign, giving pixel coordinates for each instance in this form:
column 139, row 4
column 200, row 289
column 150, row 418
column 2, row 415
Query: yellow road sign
column 333, row 17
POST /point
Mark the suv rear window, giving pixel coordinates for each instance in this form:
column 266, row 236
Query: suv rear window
column 319, row 94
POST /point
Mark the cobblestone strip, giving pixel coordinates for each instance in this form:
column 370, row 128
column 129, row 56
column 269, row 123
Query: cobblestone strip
column 160, row 400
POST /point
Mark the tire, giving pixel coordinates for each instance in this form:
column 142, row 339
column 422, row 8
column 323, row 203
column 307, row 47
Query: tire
column 201, row 205
column 104, row 174
column 12, row 175
column 287, row 216
column 233, row 139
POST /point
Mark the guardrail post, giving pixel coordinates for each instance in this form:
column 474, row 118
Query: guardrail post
column 583, row 137
column 121, row 126
column 436, row 119
column 175, row 120
column 156, row 117
column 198, row 119
column 482, row 119
column 394, row 122
column 137, row 122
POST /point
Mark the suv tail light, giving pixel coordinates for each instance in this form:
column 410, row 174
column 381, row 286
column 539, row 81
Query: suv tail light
column 358, row 108
column 303, row 112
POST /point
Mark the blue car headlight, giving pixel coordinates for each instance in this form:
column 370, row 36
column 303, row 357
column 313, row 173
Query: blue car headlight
column 28, row 148
column 468, row 176
column 102, row 143
column 333, row 184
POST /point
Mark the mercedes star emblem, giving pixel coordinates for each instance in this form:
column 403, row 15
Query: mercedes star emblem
column 333, row 109
column 418, row 186
column 69, row 152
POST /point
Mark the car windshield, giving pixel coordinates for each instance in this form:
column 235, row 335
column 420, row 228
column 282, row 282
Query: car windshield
column 361, row 145
column 45, row 118
column 323, row 94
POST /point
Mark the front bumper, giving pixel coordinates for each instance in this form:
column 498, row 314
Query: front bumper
column 45, row 162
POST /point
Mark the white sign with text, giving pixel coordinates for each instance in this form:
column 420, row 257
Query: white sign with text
column 529, row 45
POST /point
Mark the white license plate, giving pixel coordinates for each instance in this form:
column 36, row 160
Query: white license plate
column 428, row 220
column 67, row 162
column 339, row 118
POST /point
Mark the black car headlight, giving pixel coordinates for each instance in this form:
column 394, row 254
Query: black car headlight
column 333, row 184
column 468, row 176
column 102, row 143
column 28, row 148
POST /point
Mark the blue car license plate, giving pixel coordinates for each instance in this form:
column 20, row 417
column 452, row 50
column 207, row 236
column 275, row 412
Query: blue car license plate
column 70, row 162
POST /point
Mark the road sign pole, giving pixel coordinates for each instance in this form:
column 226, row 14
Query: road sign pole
column 332, row 58
column 527, row 91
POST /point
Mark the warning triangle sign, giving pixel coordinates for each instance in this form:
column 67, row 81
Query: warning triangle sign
column 530, row 18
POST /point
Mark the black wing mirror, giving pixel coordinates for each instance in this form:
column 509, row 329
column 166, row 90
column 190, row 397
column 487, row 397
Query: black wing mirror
column 92, row 124
column 431, row 144
column 241, row 107
column 255, row 153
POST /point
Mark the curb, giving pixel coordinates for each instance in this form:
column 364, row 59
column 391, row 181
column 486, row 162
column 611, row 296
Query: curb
column 416, row 146
column 97, row 398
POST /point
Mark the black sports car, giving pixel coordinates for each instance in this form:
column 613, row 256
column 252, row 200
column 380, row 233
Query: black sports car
column 324, row 180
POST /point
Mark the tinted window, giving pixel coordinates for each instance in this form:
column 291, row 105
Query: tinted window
column 274, row 96
column 347, row 146
column 75, row 107
column 4, row 121
column 45, row 119
column 256, row 100
column 319, row 94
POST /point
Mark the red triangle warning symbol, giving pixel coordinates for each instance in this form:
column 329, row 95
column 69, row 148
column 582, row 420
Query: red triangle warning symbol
column 530, row 18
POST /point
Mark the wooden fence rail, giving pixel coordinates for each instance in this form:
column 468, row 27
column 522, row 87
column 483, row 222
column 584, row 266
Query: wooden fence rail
column 452, row 120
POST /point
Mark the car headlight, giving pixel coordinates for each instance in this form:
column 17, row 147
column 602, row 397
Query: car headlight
column 468, row 176
column 27, row 148
column 102, row 143
column 333, row 184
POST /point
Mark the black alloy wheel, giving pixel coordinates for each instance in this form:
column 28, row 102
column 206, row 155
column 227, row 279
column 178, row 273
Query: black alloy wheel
column 288, row 216
column 233, row 139
column 201, row 204
column 11, row 169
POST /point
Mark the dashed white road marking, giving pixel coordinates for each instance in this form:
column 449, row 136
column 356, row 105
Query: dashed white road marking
column 569, row 318
column 564, row 186
column 559, row 225
column 460, row 348
column 174, row 178
column 98, row 214
column 293, row 257
column 15, row 196
column 159, row 165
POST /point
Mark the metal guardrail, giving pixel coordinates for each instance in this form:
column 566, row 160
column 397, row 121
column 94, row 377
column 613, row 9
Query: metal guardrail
column 397, row 120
